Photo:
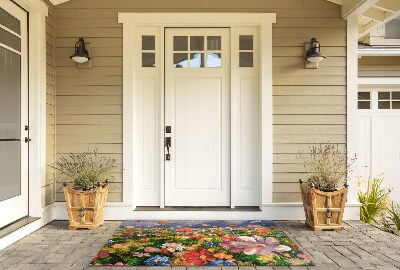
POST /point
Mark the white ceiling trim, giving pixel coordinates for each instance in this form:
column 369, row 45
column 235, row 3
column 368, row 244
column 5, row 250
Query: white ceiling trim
column 371, row 13
column 356, row 7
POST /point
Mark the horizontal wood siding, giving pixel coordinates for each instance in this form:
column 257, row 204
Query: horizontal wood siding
column 309, row 104
column 49, row 187
column 379, row 66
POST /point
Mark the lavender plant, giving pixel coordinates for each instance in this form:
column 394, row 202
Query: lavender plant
column 85, row 169
column 326, row 167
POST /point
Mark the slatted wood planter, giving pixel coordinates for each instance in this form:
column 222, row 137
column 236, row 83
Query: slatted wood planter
column 323, row 210
column 86, row 208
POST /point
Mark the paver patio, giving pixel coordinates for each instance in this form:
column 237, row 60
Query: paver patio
column 358, row 246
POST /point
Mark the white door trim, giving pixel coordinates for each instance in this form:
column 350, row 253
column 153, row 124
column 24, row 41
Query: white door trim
column 352, row 89
column 37, row 12
column 131, row 146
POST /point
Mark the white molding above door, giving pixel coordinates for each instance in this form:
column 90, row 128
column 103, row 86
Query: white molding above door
column 132, row 122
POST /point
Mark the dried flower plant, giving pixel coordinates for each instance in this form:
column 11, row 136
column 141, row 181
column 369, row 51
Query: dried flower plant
column 85, row 169
column 325, row 167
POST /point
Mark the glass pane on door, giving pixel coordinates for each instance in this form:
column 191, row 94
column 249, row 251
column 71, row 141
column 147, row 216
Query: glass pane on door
column 10, row 124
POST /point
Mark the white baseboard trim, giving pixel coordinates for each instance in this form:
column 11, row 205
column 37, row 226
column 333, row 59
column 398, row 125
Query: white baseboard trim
column 47, row 216
column 270, row 211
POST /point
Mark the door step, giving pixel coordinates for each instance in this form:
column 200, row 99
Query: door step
column 16, row 226
column 205, row 208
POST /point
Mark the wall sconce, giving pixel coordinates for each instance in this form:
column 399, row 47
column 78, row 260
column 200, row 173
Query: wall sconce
column 313, row 55
column 81, row 54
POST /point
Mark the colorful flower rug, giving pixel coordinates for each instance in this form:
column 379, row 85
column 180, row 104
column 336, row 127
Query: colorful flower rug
column 200, row 243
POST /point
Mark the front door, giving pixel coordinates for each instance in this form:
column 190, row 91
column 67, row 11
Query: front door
column 13, row 113
column 378, row 137
column 197, row 117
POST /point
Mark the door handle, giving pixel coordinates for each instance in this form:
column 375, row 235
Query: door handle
column 168, row 145
column 27, row 139
column 10, row 140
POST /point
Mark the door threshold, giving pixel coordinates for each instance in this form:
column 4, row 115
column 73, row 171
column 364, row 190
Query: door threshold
column 9, row 229
column 201, row 208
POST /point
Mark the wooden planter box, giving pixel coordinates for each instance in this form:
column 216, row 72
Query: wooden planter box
column 323, row 210
column 86, row 208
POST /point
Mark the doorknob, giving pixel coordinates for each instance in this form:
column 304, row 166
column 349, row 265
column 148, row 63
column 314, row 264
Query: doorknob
column 168, row 145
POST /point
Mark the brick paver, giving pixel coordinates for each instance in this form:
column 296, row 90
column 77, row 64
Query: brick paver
column 358, row 246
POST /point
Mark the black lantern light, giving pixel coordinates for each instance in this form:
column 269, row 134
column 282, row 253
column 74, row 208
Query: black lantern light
column 81, row 54
column 313, row 54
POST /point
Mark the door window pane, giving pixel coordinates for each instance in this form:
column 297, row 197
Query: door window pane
column 148, row 59
column 10, row 123
column 10, row 40
column 148, row 43
column 214, row 60
column 10, row 21
column 396, row 95
column 364, row 105
column 197, row 60
column 364, row 95
column 383, row 105
column 396, row 105
column 196, row 43
column 214, row 43
column 180, row 60
column 180, row 43
column 245, row 59
column 384, row 95
column 246, row 42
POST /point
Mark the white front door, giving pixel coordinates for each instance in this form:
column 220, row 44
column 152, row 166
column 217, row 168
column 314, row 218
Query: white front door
column 379, row 133
column 13, row 113
column 197, row 110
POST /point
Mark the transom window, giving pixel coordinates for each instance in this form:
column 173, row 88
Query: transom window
column 197, row 52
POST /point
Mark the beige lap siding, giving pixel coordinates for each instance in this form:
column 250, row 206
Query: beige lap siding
column 379, row 66
column 309, row 104
column 49, row 186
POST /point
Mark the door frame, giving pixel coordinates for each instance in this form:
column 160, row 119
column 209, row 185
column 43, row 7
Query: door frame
column 132, row 119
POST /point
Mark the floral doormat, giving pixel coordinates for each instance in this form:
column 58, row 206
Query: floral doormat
column 200, row 243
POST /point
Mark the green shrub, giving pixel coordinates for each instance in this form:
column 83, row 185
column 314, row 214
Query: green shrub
column 374, row 200
column 393, row 214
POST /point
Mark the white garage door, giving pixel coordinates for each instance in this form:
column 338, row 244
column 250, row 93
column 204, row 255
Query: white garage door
column 379, row 136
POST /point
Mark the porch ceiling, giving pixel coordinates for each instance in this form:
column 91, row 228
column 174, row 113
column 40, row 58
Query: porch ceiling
column 371, row 13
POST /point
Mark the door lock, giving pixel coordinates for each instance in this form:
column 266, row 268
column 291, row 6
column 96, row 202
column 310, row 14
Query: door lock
column 168, row 145
column 27, row 140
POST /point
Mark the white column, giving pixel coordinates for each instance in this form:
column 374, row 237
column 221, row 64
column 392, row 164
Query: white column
column 352, row 87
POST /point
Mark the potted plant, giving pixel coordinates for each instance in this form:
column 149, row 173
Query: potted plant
column 86, row 198
column 324, row 192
